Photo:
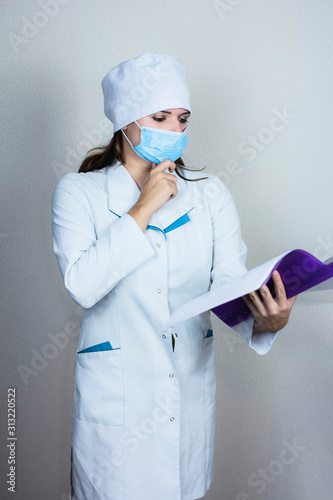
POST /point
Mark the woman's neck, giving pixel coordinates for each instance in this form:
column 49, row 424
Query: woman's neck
column 138, row 168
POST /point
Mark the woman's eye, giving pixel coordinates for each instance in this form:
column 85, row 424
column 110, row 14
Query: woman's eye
column 183, row 120
column 158, row 118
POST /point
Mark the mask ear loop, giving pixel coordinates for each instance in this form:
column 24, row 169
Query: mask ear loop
column 127, row 139
column 123, row 131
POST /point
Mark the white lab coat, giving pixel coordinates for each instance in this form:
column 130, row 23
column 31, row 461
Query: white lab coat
column 144, row 414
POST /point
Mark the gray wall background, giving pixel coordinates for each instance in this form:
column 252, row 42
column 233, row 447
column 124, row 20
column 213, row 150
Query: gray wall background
column 247, row 61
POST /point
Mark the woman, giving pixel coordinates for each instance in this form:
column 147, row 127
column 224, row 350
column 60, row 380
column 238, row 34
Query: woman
column 136, row 236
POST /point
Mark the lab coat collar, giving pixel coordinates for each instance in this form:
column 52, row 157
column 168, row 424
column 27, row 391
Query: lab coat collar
column 123, row 193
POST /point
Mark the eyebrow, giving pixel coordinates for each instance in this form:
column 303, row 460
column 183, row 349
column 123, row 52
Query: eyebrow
column 169, row 112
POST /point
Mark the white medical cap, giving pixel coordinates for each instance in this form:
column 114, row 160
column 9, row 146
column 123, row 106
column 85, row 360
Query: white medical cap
column 142, row 86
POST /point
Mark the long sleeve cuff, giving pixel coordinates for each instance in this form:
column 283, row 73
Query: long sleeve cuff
column 261, row 342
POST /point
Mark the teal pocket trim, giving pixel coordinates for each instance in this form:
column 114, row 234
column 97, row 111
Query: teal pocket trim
column 209, row 333
column 104, row 346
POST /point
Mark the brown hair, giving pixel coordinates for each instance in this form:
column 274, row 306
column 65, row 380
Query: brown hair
column 106, row 156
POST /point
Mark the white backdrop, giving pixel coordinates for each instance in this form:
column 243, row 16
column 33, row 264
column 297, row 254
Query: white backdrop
column 260, row 74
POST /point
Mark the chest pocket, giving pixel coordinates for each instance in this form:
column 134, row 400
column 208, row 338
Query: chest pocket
column 190, row 256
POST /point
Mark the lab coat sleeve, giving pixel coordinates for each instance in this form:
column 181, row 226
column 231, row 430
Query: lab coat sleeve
column 92, row 266
column 229, row 256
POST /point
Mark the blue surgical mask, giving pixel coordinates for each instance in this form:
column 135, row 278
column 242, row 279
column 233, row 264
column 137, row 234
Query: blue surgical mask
column 157, row 145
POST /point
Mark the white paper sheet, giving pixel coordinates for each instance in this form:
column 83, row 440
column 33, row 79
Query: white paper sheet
column 243, row 285
column 250, row 281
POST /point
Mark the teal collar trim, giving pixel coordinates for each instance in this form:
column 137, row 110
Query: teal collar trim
column 158, row 229
column 115, row 213
column 177, row 223
column 123, row 193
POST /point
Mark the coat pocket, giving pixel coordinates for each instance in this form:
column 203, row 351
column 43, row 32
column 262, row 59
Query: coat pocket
column 209, row 334
column 98, row 387
column 104, row 346
column 209, row 367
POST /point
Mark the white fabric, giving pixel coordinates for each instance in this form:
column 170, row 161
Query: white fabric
column 144, row 415
column 142, row 86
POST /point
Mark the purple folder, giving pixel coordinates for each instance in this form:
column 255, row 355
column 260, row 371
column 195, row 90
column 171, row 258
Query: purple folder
column 299, row 271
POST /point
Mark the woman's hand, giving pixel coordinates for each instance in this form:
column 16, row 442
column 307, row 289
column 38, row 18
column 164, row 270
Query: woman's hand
column 270, row 314
column 158, row 188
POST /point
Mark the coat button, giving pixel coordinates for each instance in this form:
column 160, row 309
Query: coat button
column 159, row 291
column 172, row 419
column 158, row 245
column 164, row 336
column 171, row 375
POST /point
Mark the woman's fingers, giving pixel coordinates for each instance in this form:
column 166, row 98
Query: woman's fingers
column 258, row 302
column 161, row 167
column 159, row 186
column 280, row 292
column 291, row 301
column 249, row 302
column 164, row 165
column 270, row 313
column 263, row 299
